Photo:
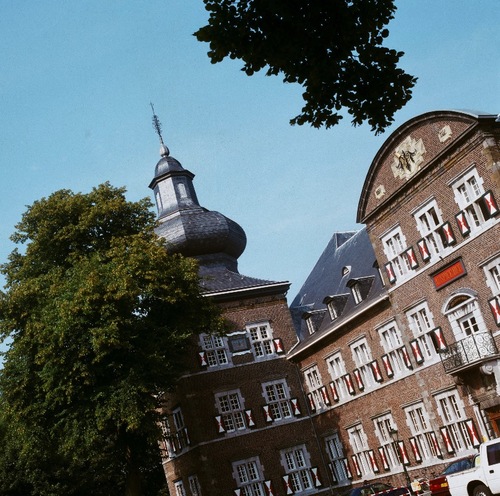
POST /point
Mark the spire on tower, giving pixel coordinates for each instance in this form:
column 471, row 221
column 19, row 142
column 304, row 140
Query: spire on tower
column 164, row 151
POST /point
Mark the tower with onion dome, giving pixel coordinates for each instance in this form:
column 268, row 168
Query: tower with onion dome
column 225, row 407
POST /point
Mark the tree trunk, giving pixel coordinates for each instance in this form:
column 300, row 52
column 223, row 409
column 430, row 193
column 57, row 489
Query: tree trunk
column 133, row 487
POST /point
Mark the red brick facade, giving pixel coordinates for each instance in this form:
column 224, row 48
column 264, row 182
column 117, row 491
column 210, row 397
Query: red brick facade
column 406, row 381
column 215, row 449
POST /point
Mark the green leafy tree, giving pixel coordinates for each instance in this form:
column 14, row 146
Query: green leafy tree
column 333, row 48
column 99, row 315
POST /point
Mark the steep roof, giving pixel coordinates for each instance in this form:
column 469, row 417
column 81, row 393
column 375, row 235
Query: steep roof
column 412, row 150
column 348, row 259
column 210, row 237
column 217, row 279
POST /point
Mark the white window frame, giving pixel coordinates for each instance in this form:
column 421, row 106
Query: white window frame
column 175, row 433
column 336, row 368
column 335, row 452
column 452, row 412
column 261, row 339
column 383, row 426
column 418, row 421
column 395, row 246
column 332, row 310
column 492, row 273
column 277, row 397
column 362, row 357
column 216, row 350
column 429, row 219
column 392, row 342
column 194, row 485
column 314, row 384
column 297, row 464
column 231, row 407
column 468, row 189
column 248, row 476
column 465, row 317
column 179, row 488
column 421, row 322
column 356, row 293
column 360, row 448
column 310, row 324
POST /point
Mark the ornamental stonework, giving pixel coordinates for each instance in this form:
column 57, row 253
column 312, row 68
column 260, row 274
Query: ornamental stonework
column 408, row 157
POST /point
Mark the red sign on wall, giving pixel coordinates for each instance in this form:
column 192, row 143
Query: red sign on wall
column 448, row 274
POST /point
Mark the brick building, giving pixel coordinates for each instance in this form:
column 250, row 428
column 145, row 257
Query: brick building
column 386, row 365
column 237, row 423
column 399, row 324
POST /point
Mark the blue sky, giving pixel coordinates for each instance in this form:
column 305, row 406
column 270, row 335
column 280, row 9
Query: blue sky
column 76, row 80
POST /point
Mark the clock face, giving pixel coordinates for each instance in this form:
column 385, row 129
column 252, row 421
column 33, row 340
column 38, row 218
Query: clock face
column 407, row 158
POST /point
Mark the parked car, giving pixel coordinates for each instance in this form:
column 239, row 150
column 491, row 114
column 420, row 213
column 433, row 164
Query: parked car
column 439, row 485
column 483, row 479
column 379, row 488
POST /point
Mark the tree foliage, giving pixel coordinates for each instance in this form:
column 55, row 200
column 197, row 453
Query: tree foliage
column 99, row 315
column 333, row 48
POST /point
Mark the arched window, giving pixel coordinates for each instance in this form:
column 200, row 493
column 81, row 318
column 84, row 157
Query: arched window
column 464, row 314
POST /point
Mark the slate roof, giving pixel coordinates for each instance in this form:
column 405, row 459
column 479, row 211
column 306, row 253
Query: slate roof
column 208, row 236
column 219, row 278
column 348, row 258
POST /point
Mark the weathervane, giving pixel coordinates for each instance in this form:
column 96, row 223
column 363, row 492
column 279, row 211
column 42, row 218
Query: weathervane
column 164, row 151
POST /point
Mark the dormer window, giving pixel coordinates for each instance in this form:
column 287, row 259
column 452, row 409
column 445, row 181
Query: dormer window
column 310, row 324
column 356, row 293
column 360, row 288
column 335, row 305
column 346, row 270
column 332, row 310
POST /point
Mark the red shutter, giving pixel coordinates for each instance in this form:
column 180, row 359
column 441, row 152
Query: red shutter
column 348, row 384
column 383, row 457
column 417, row 352
column 490, row 204
column 347, row 468
column 278, row 346
column 415, row 449
column 423, row 249
column 202, row 356
column 406, row 357
column 387, row 365
column 377, row 375
column 269, row 488
column 334, row 475
column 315, row 476
column 267, row 413
column 356, row 465
column 435, row 443
column 324, row 395
column 288, row 487
column 403, row 453
column 333, row 389
column 312, row 404
column 220, row 424
column 495, row 309
column 439, row 339
column 249, row 418
column 295, row 406
column 448, row 235
column 412, row 259
column 447, row 440
column 373, row 462
column 359, row 379
column 463, row 224
column 471, row 429
column 390, row 272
